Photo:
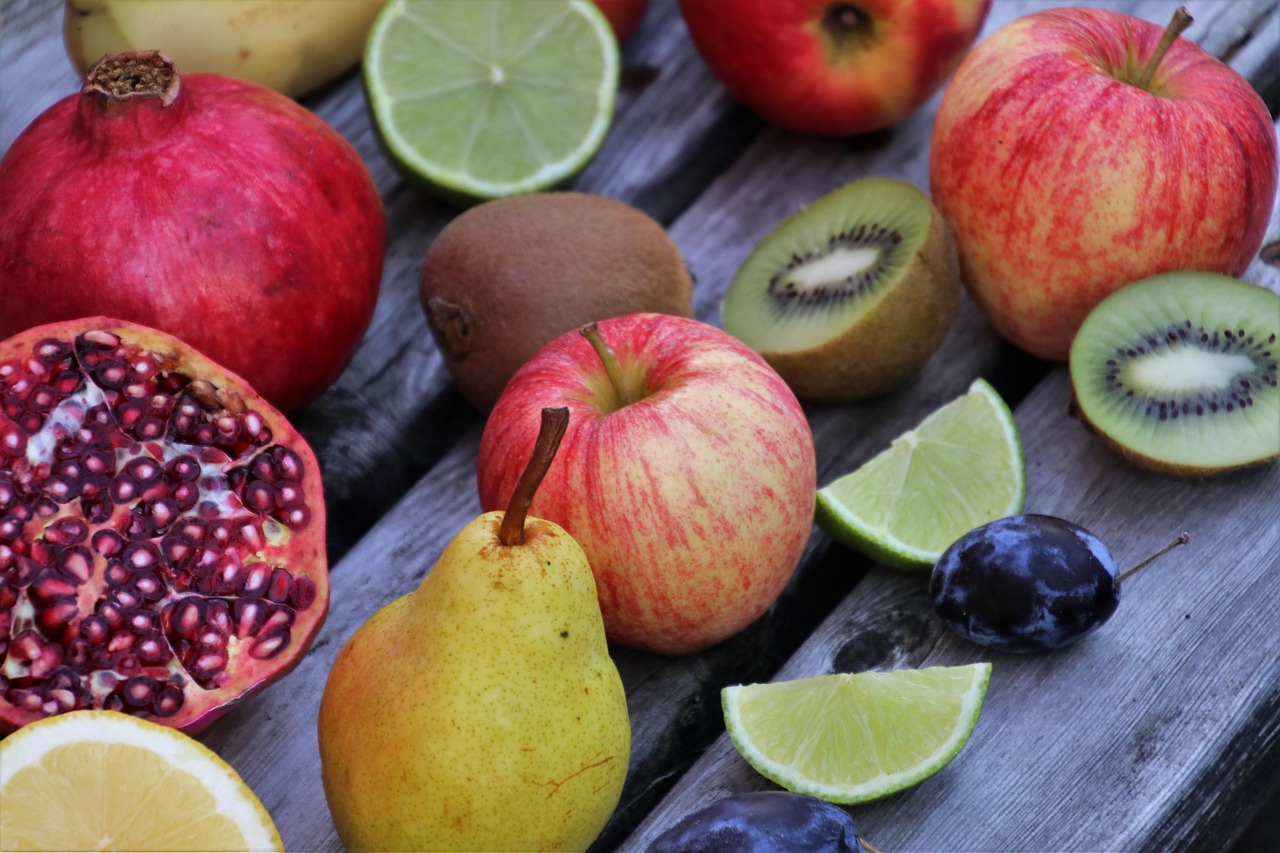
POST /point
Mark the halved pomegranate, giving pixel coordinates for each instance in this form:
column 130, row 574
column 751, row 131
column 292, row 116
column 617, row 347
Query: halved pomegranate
column 162, row 542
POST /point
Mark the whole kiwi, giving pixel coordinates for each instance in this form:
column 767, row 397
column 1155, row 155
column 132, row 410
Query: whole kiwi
column 507, row 276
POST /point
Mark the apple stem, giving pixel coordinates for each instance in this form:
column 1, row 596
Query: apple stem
column 1183, row 539
column 1181, row 20
column 554, row 423
column 609, row 358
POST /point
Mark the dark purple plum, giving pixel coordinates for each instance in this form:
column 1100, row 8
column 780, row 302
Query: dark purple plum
column 1027, row 583
column 763, row 822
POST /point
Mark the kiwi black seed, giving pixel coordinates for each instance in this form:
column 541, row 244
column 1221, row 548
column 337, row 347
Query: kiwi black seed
column 506, row 277
column 1178, row 372
column 848, row 298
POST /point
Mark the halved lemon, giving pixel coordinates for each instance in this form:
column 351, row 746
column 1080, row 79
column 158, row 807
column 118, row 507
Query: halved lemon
column 104, row 780
column 851, row 738
column 961, row 467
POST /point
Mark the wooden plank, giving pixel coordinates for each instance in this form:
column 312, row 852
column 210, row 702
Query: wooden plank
column 1139, row 736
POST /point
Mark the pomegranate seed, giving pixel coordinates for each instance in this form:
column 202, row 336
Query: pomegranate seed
column 94, row 629
column 76, row 561
column 269, row 645
column 150, row 428
column 49, row 659
column 126, row 599
column 123, row 489
column 257, row 577
column 121, row 641
column 289, row 494
column 297, row 518
column 250, row 614
column 218, row 615
column 142, row 555
column 111, row 374
column 175, row 547
column 50, row 586
column 116, row 573
column 259, row 497
column 186, row 617
column 52, row 350
column 113, row 702
column 99, row 339
column 57, row 615
column 67, row 531
column 26, row 646
column 112, row 613
column 129, row 414
column 184, row 468
column 210, row 663
column 128, row 664
column 139, row 690
column 68, row 382
column 168, row 701
column 281, row 583
column 304, row 592
column 148, row 587
column 153, row 649
column 251, row 535
column 143, row 471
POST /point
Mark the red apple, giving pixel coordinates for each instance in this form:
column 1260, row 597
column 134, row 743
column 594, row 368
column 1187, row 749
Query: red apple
column 832, row 68
column 687, row 474
column 624, row 16
column 1072, row 157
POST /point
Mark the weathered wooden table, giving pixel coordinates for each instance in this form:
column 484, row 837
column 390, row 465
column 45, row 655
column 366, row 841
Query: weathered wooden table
column 1159, row 732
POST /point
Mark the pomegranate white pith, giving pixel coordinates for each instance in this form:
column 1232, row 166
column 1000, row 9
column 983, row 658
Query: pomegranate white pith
column 161, row 529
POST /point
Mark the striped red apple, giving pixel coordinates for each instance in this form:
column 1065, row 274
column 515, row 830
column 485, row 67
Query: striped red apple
column 687, row 473
column 1073, row 155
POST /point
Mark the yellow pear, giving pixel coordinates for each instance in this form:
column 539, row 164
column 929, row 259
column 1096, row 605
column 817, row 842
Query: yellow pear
column 481, row 711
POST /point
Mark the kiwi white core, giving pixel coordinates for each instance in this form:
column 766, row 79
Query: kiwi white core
column 834, row 267
column 1186, row 368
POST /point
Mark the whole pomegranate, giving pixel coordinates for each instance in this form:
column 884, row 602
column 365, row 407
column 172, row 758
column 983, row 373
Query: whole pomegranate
column 161, row 529
column 212, row 208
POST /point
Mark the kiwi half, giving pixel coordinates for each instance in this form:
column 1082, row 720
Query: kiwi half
column 849, row 297
column 1177, row 372
column 507, row 276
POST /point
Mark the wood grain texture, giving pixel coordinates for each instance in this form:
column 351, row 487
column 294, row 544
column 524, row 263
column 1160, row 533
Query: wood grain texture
column 1128, row 740
column 1173, row 706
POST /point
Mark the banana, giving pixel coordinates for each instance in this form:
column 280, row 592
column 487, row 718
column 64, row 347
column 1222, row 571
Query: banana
column 292, row 46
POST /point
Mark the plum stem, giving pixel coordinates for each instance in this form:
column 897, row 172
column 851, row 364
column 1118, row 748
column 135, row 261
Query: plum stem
column 1180, row 21
column 554, row 423
column 609, row 358
column 1183, row 539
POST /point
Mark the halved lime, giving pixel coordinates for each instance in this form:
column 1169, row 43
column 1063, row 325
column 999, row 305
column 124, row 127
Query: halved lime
column 961, row 467
column 852, row 738
column 490, row 98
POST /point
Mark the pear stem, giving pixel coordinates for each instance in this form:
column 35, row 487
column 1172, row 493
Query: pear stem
column 609, row 358
column 1183, row 539
column 554, row 423
column 1180, row 21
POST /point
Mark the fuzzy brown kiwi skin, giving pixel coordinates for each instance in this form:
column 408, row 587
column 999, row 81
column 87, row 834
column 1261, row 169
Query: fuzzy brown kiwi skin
column 1150, row 463
column 506, row 277
column 876, row 358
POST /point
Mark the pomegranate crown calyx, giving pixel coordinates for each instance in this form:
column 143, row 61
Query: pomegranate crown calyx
column 136, row 74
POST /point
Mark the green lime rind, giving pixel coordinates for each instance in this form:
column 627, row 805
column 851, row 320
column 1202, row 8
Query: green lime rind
column 855, row 738
column 483, row 99
column 961, row 467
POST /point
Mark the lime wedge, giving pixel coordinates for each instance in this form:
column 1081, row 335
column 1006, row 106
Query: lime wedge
column 483, row 99
column 961, row 467
column 852, row 738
